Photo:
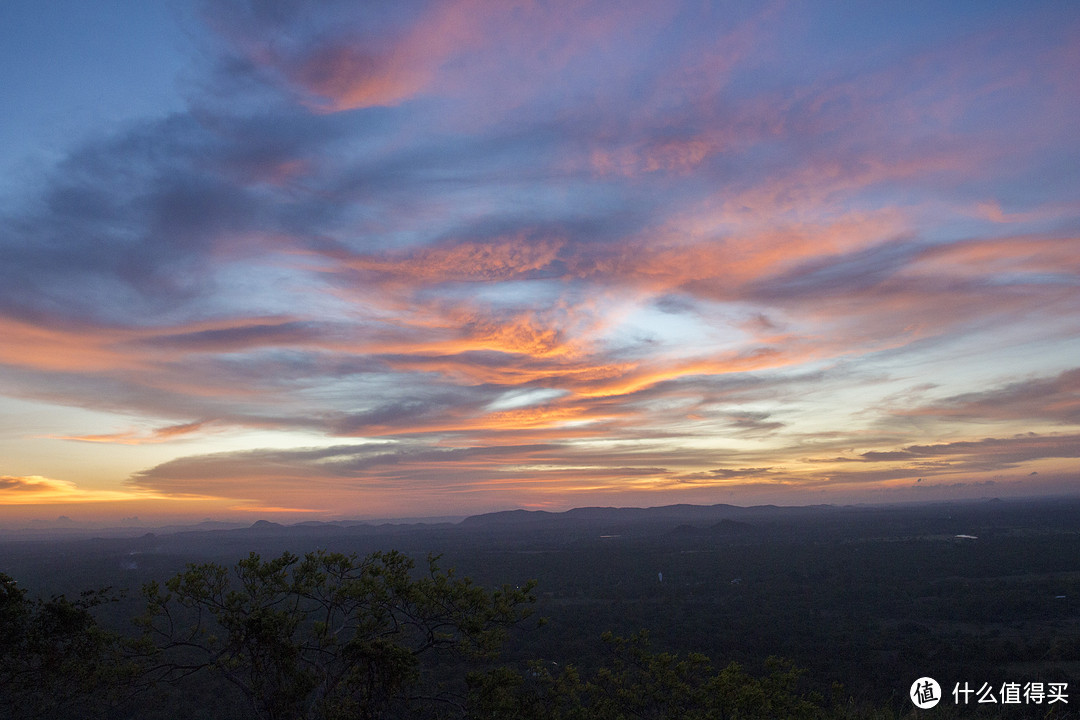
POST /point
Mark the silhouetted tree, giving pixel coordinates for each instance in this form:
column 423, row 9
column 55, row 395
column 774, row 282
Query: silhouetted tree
column 326, row 636
column 55, row 660
column 636, row 682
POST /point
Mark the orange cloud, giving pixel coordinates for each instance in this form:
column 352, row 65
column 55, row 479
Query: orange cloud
column 53, row 348
column 97, row 348
column 261, row 509
column 354, row 69
column 345, row 76
column 135, row 437
column 465, row 261
column 39, row 490
column 1032, row 253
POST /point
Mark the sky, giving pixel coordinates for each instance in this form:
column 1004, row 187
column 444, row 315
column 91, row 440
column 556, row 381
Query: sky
column 317, row 260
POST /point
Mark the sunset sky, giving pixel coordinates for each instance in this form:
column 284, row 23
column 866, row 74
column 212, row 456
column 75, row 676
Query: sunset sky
column 317, row 260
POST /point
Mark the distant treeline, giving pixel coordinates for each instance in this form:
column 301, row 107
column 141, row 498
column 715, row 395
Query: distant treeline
column 864, row 600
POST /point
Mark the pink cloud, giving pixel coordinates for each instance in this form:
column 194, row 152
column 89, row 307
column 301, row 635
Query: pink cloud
column 465, row 261
column 374, row 56
column 136, row 437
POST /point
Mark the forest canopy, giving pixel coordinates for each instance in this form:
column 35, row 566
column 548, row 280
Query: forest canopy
column 333, row 635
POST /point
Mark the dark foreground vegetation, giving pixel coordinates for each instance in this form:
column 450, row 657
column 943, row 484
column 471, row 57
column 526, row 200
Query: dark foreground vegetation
column 336, row 636
column 860, row 602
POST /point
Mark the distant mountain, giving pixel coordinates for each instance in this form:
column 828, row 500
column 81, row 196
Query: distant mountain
column 532, row 526
column 507, row 517
column 691, row 514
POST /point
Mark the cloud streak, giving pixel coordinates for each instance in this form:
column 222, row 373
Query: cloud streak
column 38, row 490
column 517, row 251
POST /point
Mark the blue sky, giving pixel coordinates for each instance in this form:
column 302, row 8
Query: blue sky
column 425, row 258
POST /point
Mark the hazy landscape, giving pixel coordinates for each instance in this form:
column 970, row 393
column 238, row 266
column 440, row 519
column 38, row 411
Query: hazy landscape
column 867, row 597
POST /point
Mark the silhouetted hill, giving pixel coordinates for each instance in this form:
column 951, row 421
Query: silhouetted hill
column 506, row 517
column 265, row 525
column 673, row 515
column 542, row 528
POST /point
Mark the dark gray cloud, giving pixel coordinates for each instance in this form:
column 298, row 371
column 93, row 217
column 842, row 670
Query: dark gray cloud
column 854, row 273
column 981, row 455
column 13, row 484
column 1055, row 399
column 243, row 337
column 124, row 230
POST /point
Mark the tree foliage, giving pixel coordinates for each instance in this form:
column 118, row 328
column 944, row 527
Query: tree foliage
column 334, row 636
column 638, row 683
column 55, row 660
column 328, row 635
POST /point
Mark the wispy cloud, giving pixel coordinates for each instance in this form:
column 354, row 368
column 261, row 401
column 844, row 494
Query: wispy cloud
column 1055, row 399
column 136, row 437
column 38, row 490
column 512, row 250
